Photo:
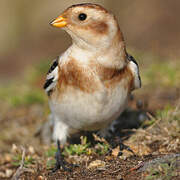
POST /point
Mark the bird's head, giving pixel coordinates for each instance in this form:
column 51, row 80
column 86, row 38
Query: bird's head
column 90, row 25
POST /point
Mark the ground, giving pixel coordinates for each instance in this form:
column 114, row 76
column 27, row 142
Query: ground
column 150, row 126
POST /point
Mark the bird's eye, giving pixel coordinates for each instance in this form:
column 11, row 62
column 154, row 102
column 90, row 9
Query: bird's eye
column 82, row 16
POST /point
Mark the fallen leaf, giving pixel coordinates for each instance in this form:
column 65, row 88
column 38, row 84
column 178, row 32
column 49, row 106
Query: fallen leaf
column 115, row 151
column 96, row 164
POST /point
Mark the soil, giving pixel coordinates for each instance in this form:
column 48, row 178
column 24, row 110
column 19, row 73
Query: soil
column 19, row 125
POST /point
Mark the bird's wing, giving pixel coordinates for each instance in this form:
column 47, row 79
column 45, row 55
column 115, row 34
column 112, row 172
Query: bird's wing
column 52, row 77
column 135, row 70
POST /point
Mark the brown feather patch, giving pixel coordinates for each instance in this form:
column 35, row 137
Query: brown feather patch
column 119, row 75
column 84, row 78
column 99, row 27
column 75, row 75
column 112, row 76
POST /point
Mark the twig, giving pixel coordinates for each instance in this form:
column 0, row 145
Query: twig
column 97, row 138
column 21, row 168
column 140, row 165
column 155, row 123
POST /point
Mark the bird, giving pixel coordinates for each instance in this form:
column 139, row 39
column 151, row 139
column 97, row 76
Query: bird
column 89, row 84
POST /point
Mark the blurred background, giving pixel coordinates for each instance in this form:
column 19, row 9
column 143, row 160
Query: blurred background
column 28, row 44
column 26, row 37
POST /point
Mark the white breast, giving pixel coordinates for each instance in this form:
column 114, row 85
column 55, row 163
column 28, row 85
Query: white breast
column 84, row 111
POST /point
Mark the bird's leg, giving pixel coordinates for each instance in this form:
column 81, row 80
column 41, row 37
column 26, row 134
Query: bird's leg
column 114, row 140
column 123, row 146
column 60, row 162
column 118, row 142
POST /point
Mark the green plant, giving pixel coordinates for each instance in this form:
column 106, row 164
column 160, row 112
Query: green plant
column 18, row 158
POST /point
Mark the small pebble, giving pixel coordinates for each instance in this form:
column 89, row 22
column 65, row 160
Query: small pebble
column 96, row 164
column 7, row 158
column 123, row 157
column 31, row 150
column 40, row 178
column 14, row 148
column 8, row 173
column 2, row 175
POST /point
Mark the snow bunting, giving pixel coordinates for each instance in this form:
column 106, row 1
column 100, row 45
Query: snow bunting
column 89, row 84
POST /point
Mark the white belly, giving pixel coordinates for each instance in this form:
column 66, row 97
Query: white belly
column 90, row 111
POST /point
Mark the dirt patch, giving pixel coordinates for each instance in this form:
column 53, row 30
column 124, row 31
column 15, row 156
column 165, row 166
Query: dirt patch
column 18, row 126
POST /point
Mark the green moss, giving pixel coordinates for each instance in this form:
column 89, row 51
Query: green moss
column 20, row 96
column 50, row 163
column 164, row 171
column 26, row 91
column 162, row 74
column 51, row 151
column 78, row 149
column 29, row 160
column 102, row 149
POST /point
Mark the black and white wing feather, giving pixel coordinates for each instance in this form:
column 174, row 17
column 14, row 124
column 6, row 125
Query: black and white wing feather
column 52, row 77
column 135, row 70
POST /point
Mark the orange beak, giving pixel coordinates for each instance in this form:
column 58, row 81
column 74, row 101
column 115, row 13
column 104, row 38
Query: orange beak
column 59, row 22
